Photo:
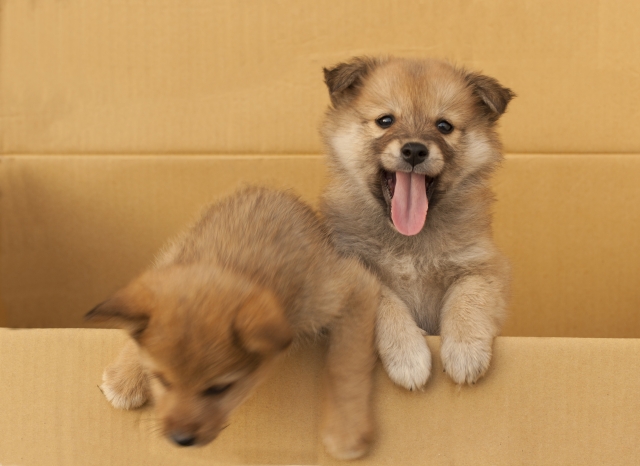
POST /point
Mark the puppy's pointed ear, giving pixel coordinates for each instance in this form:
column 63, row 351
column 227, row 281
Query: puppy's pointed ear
column 123, row 311
column 261, row 325
column 344, row 80
column 492, row 94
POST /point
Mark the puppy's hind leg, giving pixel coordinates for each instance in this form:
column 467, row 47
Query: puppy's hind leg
column 348, row 419
column 124, row 382
column 401, row 344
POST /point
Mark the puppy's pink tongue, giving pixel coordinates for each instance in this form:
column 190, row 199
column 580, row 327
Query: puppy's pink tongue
column 409, row 203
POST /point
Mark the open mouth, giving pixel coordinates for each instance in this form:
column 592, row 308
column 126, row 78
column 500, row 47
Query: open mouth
column 408, row 197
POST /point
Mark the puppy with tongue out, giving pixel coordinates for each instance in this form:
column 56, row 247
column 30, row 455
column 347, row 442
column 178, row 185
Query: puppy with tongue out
column 411, row 146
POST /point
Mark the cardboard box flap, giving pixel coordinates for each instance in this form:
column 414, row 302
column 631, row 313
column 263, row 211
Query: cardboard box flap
column 185, row 76
column 54, row 413
column 74, row 228
column 544, row 401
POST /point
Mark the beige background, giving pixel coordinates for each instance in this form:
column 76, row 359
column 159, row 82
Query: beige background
column 118, row 120
column 229, row 76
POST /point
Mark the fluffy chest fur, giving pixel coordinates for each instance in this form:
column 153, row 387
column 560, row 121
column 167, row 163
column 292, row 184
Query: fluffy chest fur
column 418, row 282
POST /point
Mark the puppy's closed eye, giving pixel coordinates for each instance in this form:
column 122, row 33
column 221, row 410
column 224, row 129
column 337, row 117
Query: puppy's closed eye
column 216, row 390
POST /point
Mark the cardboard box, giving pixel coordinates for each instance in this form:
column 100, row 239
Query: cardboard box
column 119, row 120
column 76, row 228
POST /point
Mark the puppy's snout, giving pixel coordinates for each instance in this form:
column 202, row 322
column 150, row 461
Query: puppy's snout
column 414, row 153
column 183, row 439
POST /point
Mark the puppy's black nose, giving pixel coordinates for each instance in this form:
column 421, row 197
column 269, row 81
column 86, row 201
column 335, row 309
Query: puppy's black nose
column 414, row 153
column 182, row 439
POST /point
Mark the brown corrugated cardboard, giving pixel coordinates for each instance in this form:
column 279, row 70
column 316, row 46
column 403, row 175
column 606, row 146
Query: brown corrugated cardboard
column 186, row 76
column 181, row 77
column 544, row 402
column 571, row 228
column 74, row 229
column 53, row 412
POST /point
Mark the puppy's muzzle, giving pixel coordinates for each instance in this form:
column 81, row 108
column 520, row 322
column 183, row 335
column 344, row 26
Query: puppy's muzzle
column 414, row 153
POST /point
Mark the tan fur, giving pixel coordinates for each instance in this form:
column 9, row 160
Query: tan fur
column 449, row 279
column 225, row 300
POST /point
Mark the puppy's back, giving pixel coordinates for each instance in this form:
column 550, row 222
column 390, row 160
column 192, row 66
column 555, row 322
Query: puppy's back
column 268, row 236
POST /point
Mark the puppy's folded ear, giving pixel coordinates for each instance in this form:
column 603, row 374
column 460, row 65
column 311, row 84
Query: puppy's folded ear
column 344, row 80
column 492, row 94
column 121, row 310
column 261, row 325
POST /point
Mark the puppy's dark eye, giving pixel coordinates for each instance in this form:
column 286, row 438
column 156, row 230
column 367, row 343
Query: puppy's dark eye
column 216, row 390
column 444, row 126
column 385, row 121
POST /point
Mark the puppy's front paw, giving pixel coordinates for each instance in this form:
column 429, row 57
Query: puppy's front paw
column 465, row 362
column 124, row 389
column 406, row 359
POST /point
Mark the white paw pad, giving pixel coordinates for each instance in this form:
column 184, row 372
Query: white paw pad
column 120, row 399
column 465, row 362
column 407, row 360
